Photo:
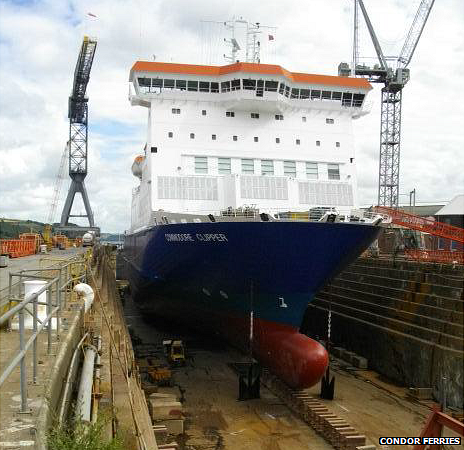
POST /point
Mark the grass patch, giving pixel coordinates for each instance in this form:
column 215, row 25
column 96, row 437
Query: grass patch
column 83, row 436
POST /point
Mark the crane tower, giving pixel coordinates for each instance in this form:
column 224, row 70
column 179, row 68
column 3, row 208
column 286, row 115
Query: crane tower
column 78, row 116
column 394, row 79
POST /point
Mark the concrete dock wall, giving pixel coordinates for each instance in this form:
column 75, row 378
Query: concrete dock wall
column 406, row 318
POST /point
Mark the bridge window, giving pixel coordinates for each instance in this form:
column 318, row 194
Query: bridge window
column 214, row 87
column 311, row 170
column 235, row 85
column 204, row 86
column 192, row 86
column 224, row 166
column 181, row 85
column 315, row 94
column 249, row 85
column 336, row 95
column 347, row 98
column 169, row 84
column 326, row 95
column 333, row 171
column 358, row 100
column 201, row 164
column 248, row 166
column 290, row 168
column 304, row 93
column 225, row 86
column 267, row 167
column 271, row 86
column 295, row 93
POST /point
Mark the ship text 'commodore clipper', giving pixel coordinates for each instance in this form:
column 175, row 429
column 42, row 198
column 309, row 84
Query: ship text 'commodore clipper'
column 234, row 222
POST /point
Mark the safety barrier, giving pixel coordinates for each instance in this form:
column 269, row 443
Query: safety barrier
column 57, row 289
column 17, row 247
column 441, row 256
column 434, row 428
column 430, row 226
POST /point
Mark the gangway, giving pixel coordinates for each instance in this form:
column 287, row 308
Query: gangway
column 424, row 224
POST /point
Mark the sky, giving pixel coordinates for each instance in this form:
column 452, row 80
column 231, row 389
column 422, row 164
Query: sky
column 39, row 45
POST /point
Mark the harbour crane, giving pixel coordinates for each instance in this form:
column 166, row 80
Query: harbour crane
column 394, row 79
column 78, row 116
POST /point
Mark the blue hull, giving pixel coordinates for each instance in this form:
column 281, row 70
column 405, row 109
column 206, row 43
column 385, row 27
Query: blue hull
column 206, row 272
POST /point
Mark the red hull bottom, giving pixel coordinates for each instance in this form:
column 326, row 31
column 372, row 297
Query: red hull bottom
column 295, row 358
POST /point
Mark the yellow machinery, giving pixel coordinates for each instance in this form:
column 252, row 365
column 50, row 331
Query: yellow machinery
column 175, row 352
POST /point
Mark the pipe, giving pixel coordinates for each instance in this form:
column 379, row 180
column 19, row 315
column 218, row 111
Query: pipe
column 97, row 381
column 68, row 384
column 85, row 292
column 84, row 395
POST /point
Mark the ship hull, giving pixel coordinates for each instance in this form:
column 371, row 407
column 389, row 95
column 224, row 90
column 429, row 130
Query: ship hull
column 214, row 275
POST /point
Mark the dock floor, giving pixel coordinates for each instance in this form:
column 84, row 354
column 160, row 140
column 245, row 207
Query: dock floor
column 215, row 419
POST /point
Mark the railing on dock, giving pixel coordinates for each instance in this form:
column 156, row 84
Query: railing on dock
column 440, row 256
column 58, row 289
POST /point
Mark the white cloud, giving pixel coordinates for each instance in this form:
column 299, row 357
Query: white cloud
column 39, row 43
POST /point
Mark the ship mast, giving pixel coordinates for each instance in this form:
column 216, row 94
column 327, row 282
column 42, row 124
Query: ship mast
column 252, row 32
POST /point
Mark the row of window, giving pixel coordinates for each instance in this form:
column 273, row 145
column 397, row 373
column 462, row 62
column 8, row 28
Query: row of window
column 156, row 85
column 267, row 167
column 254, row 115
column 255, row 139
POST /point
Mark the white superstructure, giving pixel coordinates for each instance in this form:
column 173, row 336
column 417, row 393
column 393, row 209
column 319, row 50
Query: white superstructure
column 244, row 134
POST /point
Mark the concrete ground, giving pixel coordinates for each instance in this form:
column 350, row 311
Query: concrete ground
column 216, row 420
column 31, row 262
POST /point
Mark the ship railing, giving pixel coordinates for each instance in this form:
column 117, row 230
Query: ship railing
column 58, row 291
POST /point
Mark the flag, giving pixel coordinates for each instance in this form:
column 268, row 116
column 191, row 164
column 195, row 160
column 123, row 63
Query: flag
column 91, row 15
column 271, row 37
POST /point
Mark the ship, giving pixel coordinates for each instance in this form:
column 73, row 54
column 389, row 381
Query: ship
column 246, row 203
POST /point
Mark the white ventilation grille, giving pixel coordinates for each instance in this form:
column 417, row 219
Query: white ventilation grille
column 188, row 188
column 333, row 194
column 264, row 187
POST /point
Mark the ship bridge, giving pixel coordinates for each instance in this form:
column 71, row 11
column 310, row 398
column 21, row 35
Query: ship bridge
column 246, row 87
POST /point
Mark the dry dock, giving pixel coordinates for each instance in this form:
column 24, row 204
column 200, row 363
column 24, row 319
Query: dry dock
column 205, row 413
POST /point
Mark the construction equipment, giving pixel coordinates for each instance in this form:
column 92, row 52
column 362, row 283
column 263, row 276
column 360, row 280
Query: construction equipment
column 161, row 375
column 47, row 231
column 174, row 351
column 394, row 80
column 78, row 116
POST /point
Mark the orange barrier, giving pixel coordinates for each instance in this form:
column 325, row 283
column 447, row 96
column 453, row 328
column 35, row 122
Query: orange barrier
column 17, row 247
column 33, row 236
column 434, row 428
column 443, row 256
column 423, row 224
